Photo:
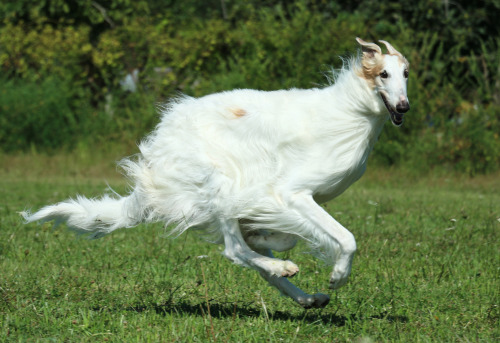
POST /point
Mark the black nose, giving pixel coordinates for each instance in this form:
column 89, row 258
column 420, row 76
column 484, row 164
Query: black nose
column 403, row 107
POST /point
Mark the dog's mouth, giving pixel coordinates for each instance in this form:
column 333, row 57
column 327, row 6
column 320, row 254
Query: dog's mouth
column 396, row 118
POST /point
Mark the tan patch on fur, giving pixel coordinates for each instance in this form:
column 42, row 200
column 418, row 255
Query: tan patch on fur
column 238, row 112
column 371, row 67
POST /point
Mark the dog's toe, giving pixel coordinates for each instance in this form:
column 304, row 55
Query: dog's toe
column 290, row 269
column 339, row 278
column 337, row 283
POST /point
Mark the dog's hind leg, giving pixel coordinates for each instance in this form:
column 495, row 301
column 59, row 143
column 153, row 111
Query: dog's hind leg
column 305, row 300
column 237, row 250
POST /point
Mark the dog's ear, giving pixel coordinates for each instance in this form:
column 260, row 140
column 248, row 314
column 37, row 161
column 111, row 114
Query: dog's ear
column 390, row 48
column 372, row 61
column 369, row 49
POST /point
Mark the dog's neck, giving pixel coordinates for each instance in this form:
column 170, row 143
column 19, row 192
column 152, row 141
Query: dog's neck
column 352, row 107
column 353, row 119
column 357, row 95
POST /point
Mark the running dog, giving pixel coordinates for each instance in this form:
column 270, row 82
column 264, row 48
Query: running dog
column 250, row 167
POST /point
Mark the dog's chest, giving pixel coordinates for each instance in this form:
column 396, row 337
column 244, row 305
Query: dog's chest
column 336, row 183
column 343, row 166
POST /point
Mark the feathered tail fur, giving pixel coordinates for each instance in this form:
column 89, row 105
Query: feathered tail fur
column 93, row 218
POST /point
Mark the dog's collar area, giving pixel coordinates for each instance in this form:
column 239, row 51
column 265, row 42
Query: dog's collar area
column 396, row 118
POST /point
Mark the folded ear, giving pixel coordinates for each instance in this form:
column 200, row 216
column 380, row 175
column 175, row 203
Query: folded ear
column 390, row 49
column 369, row 49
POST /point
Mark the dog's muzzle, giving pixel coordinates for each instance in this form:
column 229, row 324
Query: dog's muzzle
column 396, row 114
column 403, row 107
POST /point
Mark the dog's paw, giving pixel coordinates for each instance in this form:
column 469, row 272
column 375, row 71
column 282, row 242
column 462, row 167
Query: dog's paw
column 341, row 272
column 277, row 267
column 318, row 300
column 338, row 279
column 290, row 269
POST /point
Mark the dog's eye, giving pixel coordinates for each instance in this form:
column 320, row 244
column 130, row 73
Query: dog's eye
column 406, row 73
column 384, row 75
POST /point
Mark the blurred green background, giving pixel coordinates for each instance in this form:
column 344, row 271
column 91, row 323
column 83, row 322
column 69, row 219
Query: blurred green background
column 87, row 74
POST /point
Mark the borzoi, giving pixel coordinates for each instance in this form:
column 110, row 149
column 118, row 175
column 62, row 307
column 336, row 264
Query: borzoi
column 250, row 167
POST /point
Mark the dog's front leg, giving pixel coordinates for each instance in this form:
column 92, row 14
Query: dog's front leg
column 329, row 234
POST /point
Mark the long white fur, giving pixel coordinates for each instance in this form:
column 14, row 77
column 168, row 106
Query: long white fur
column 250, row 167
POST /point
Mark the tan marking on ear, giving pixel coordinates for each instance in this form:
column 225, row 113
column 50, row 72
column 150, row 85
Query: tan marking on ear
column 238, row 112
column 390, row 48
column 371, row 67
column 369, row 48
column 394, row 52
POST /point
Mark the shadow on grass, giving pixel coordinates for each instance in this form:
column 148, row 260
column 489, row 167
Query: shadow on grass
column 222, row 311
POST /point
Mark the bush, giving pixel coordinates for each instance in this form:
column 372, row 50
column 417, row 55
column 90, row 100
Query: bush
column 63, row 66
column 39, row 114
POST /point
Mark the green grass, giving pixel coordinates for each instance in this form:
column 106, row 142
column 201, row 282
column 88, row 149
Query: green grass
column 427, row 269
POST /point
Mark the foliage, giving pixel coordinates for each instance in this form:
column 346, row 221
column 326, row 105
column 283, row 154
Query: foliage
column 39, row 115
column 35, row 51
column 200, row 47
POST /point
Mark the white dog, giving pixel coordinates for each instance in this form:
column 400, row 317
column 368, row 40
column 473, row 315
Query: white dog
column 251, row 167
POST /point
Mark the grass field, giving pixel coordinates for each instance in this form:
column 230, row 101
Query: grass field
column 427, row 269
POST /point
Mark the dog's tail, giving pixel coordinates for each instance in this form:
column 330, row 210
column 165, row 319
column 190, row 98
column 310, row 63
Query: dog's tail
column 92, row 217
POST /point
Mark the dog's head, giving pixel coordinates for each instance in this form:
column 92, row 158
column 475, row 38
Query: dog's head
column 388, row 74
